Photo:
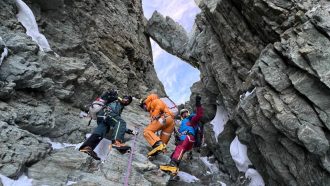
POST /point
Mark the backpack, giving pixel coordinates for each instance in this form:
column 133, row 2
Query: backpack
column 100, row 103
column 95, row 107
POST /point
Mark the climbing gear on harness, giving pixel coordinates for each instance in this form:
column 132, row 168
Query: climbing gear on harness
column 129, row 166
column 157, row 148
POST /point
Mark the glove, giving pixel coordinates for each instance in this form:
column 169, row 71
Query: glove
column 198, row 101
column 110, row 96
column 133, row 132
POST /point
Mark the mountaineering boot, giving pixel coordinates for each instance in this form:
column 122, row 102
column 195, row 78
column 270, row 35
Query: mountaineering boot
column 121, row 147
column 158, row 147
column 171, row 168
column 89, row 145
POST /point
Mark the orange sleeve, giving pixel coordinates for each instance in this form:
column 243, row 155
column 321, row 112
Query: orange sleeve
column 157, row 108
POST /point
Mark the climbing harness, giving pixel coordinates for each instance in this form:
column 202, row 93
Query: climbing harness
column 129, row 166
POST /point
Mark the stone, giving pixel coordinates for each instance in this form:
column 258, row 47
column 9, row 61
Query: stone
column 276, row 53
column 314, row 139
column 19, row 150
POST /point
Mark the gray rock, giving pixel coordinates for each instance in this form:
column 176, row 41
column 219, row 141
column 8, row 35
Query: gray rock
column 314, row 139
column 279, row 54
column 169, row 34
column 69, row 164
column 19, row 150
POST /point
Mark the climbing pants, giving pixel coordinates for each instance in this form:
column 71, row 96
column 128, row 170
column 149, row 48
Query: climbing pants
column 183, row 146
column 116, row 123
column 166, row 126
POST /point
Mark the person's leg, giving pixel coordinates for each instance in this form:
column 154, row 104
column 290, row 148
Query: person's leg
column 99, row 132
column 119, row 130
column 167, row 130
column 183, row 147
column 150, row 130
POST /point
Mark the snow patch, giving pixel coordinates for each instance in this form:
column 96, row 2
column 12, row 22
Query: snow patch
column 219, row 121
column 186, row 177
column 26, row 17
column 3, row 55
column 212, row 167
column 71, row 182
column 102, row 149
column 247, row 94
column 255, row 177
column 238, row 152
column 22, row 180
column 58, row 145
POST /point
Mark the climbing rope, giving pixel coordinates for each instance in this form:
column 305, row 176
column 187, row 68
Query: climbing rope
column 129, row 166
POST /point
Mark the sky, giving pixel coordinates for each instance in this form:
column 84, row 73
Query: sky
column 176, row 75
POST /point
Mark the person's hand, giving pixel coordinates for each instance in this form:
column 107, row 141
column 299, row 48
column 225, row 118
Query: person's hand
column 198, row 100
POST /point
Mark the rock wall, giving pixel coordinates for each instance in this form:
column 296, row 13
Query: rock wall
column 266, row 62
column 96, row 45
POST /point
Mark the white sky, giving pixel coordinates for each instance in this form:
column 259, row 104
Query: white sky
column 176, row 75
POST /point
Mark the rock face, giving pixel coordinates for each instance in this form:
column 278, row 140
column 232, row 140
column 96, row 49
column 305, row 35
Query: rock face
column 96, row 45
column 266, row 62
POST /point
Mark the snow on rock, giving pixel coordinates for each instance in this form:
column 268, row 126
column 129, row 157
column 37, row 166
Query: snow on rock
column 22, row 180
column 26, row 17
column 246, row 94
column 71, row 183
column 57, row 145
column 238, row 152
column 102, row 149
column 219, row 121
column 4, row 53
column 212, row 167
column 255, row 177
column 186, row 177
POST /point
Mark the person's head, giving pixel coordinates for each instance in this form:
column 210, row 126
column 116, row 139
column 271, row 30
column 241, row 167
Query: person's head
column 184, row 113
column 126, row 100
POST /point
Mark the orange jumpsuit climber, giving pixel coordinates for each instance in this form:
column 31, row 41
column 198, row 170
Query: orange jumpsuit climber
column 162, row 119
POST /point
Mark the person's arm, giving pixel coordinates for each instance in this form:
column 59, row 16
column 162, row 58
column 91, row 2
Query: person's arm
column 199, row 112
column 158, row 108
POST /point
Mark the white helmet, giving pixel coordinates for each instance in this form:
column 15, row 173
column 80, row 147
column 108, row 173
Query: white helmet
column 183, row 111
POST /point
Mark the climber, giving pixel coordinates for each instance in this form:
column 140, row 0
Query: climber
column 187, row 134
column 109, row 116
column 162, row 119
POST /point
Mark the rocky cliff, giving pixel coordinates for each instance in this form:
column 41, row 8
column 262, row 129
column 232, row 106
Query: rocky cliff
column 95, row 46
column 267, row 64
